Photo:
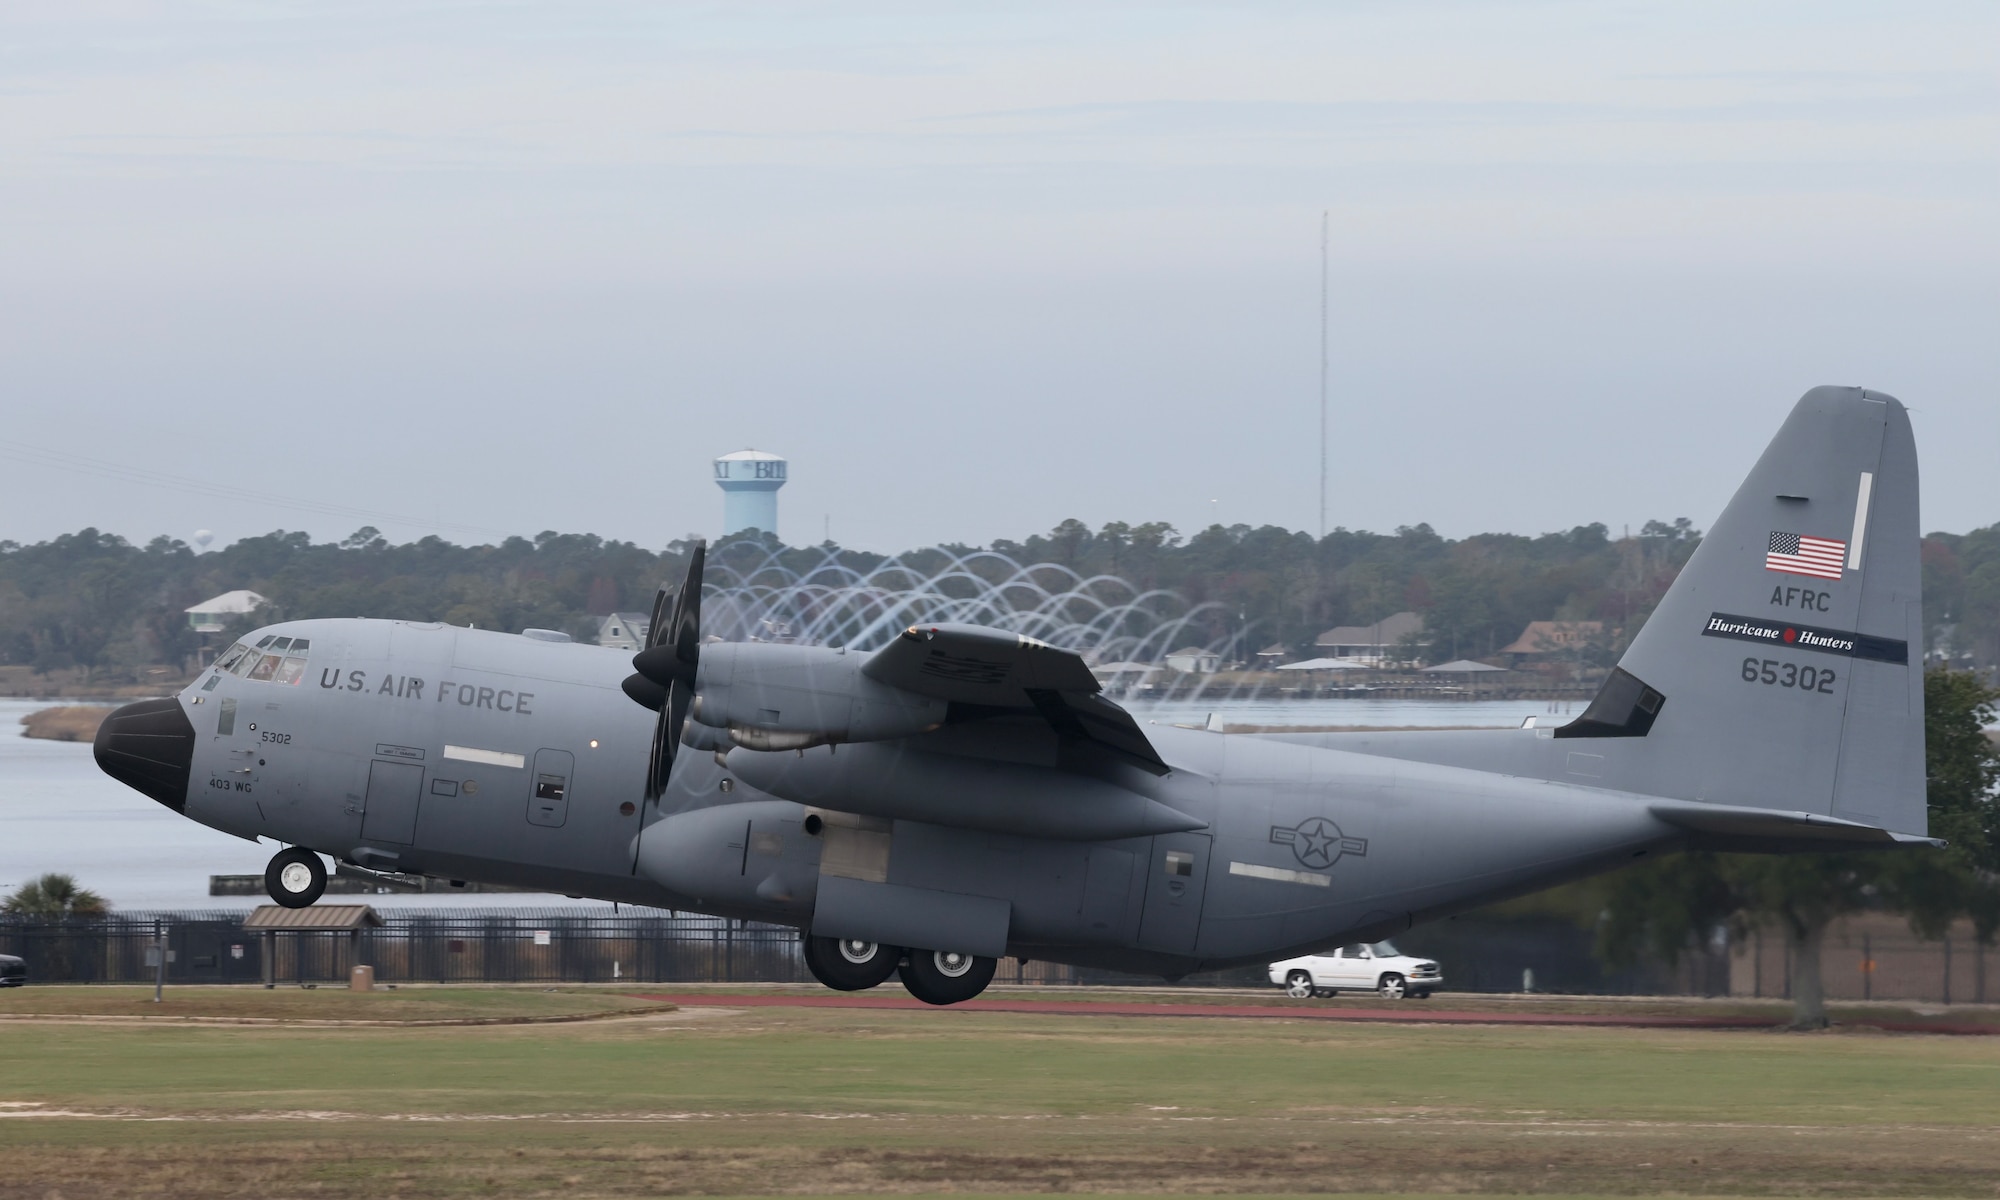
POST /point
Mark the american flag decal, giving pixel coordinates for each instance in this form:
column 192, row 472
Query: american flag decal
column 1821, row 558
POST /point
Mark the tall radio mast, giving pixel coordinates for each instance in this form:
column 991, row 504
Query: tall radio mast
column 1322, row 374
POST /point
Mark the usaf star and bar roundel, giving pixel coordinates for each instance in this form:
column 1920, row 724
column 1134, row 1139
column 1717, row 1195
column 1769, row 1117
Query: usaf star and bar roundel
column 1318, row 842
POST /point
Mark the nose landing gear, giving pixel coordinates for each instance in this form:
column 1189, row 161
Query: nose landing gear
column 295, row 878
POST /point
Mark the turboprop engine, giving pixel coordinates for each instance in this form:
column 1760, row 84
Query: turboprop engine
column 958, row 729
column 771, row 697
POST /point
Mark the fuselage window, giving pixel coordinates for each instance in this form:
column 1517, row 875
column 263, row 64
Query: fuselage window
column 266, row 667
column 266, row 640
column 231, row 657
column 290, row 671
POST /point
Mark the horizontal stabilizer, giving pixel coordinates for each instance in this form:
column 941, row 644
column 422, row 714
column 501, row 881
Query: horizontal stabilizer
column 1731, row 824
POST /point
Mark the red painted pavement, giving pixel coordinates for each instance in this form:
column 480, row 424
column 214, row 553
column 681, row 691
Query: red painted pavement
column 1417, row 1013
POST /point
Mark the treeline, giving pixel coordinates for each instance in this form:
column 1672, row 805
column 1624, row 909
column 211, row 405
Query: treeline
column 92, row 600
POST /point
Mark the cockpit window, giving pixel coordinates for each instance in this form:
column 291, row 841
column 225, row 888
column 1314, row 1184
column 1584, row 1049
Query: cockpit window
column 274, row 659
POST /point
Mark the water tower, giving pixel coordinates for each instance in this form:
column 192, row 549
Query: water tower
column 749, row 480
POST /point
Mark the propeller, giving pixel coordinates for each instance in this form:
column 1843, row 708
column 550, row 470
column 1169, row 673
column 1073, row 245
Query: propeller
column 668, row 668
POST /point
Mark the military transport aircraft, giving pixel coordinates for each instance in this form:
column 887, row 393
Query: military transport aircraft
column 965, row 793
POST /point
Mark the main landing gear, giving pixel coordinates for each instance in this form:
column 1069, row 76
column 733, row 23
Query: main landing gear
column 846, row 965
column 932, row 976
column 295, row 878
column 946, row 976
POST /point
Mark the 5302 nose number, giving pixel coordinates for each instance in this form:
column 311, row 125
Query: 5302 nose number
column 275, row 739
column 1790, row 675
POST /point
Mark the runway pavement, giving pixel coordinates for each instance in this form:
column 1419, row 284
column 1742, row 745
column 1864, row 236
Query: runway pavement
column 1418, row 1012
column 1412, row 1013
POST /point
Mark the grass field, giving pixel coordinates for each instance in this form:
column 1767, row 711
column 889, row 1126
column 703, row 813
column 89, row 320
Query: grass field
column 843, row 1101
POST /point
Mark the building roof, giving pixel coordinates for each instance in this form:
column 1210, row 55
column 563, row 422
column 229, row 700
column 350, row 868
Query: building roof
column 751, row 456
column 1274, row 650
column 240, row 601
column 1389, row 631
column 339, row 917
column 1462, row 666
column 1547, row 637
column 1326, row 664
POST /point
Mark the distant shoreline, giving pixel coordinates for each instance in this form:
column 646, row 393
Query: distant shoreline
column 20, row 682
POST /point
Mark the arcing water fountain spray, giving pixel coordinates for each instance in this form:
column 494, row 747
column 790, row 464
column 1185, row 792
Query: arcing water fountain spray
column 1105, row 618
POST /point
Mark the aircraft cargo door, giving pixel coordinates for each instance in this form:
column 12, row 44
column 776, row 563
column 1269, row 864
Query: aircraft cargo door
column 390, row 813
column 1176, row 878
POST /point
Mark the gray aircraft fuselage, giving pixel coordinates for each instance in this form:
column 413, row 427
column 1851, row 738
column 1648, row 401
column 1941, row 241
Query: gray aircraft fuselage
column 1738, row 719
column 365, row 757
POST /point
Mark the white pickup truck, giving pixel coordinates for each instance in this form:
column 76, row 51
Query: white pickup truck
column 1377, row 967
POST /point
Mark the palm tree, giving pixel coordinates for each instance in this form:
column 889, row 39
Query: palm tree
column 56, row 895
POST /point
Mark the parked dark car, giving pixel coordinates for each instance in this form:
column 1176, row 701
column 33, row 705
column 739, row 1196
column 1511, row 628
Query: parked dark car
column 13, row 971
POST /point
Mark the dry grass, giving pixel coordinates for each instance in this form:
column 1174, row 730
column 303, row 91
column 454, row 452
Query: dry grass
column 938, row 1158
column 832, row 1102
column 69, row 723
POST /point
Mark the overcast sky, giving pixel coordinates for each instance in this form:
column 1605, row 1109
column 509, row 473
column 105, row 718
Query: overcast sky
column 493, row 268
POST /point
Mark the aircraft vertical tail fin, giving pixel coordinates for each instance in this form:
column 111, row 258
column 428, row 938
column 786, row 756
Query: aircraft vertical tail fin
column 1783, row 669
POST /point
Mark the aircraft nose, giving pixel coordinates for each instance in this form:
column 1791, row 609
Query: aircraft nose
column 148, row 746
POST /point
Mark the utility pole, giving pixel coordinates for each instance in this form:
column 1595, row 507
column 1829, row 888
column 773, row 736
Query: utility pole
column 1322, row 373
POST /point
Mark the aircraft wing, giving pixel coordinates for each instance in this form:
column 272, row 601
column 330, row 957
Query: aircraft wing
column 974, row 668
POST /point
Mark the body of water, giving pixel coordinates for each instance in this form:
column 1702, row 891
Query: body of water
column 58, row 812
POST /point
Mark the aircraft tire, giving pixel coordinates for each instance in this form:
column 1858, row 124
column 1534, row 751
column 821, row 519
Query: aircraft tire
column 848, row 965
column 946, row 976
column 295, row 877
